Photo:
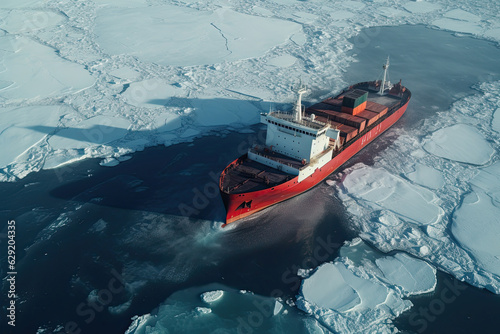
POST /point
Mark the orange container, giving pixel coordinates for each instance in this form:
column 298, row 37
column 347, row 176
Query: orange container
column 354, row 111
column 370, row 116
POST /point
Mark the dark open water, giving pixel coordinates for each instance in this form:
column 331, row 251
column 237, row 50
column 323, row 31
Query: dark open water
column 124, row 227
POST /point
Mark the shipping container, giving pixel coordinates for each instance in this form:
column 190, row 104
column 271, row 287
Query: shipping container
column 334, row 102
column 370, row 116
column 354, row 98
column 376, row 107
column 343, row 118
column 347, row 132
column 354, row 111
column 325, row 106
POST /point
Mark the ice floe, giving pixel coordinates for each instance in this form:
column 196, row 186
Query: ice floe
column 25, row 77
column 93, row 131
column 16, row 131
column 427, row 176
column 476, row 226
column 222, row 35
column 17, row 21
column 211, row 296
column 363, row 290
column 381, row 190
column 458, row 26
column 239, row 312
column 460, row 142
column 419, row 7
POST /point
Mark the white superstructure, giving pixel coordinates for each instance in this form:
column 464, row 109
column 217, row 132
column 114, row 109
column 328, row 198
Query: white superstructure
column 294, row 143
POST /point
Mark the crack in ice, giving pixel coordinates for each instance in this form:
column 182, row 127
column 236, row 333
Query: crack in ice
column 222, row 34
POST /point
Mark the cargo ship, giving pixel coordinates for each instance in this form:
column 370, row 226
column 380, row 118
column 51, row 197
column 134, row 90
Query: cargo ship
column 305, row 145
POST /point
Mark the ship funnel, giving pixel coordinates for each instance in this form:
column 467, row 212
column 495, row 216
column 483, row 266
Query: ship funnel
column 297, row 112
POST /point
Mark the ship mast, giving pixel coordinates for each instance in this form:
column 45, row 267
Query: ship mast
column 297, row 112
column 382, row 86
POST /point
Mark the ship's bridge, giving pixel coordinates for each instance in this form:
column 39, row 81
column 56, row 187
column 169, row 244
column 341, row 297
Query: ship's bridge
column 299, row 139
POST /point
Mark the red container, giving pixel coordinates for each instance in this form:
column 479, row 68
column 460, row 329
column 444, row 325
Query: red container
column 334, row 102
column 347, row 132
column 376, row 107
column 370, row 116
column 354, row 111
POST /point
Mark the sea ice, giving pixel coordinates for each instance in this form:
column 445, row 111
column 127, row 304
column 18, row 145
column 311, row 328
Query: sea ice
column 413, row 275
column 211, row 296
column 467, row 195
column 360, row 291
column 476, row 225
column 20, row 3
column 460, row 142
column 421, row 7
column 381, row 190
column 43, row 76
column 151, row 93
column 495, row 124
column 488, row 180
column 460, row 14
column 93, row 131
column 15, row 132
column 458, row 26
column 223, row 34
column 493, row 33
column 327, row 281
column 282, row 61
column 17, row 21
column 427, row 176
column 236, row 312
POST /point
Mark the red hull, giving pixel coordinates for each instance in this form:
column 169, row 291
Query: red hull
column 267, row 197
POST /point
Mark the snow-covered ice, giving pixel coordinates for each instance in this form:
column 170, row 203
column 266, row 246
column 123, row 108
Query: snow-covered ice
column 211, row 296
column 381, row 190
column 16, row 131
column 426, row 176
column 363, row 291
column 25, row 76
column 476, row 226
column 460, row 142
column 189, row 36
column 93, row 131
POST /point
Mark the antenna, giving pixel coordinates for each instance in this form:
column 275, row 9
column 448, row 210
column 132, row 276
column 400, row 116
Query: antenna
column 382, row 85
column 297, row 112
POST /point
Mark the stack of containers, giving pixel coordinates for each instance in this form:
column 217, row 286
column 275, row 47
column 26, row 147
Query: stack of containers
column 354, row 101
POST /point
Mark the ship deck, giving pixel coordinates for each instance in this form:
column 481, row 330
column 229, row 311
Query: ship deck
column 250, row 175
column 386, row 100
